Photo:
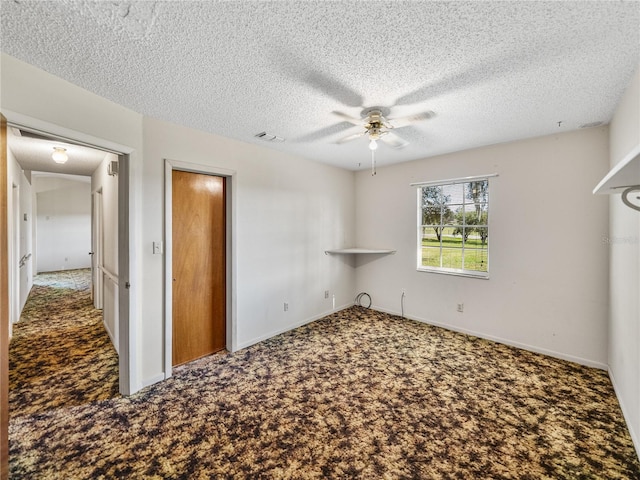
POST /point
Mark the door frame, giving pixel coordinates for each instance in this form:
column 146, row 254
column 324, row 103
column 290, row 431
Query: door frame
column 14, row 254
column 127, row 260
column 4, row 305
column 230, row 192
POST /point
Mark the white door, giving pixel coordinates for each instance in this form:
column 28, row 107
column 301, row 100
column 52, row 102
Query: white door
column 96, row 249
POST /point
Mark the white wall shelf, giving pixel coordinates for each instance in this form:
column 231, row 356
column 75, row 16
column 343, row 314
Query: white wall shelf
column 624, row 175
column 624, row 178
column 356, row 250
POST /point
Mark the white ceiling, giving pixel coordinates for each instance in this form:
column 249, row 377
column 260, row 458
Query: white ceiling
column 491, row 71
column 34, row 154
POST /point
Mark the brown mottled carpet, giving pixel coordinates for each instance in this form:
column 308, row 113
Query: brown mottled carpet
column 358, row 394
column 60, row 354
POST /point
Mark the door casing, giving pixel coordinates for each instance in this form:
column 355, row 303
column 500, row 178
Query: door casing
column 4, row 306
column 231, row 327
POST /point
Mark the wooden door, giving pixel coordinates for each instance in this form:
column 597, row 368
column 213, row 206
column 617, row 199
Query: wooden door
column 4, row 311
column 199, row 265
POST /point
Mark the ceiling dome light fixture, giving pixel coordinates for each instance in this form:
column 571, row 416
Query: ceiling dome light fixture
column 373, row 145
column 59, row 155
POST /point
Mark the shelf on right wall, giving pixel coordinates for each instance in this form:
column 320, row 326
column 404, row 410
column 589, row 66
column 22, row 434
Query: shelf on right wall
column 624, row 178
column 356, row 250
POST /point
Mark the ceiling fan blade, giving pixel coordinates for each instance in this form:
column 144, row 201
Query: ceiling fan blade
column 393, row 140
column 349, row 118
column 332, row 87
column 302, row 70
column 404, row 121
column 350, row 137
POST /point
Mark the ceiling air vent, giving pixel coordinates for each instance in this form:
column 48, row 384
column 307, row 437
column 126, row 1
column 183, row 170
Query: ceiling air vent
column 34, row 135
column 267, row 137
column 590, row 125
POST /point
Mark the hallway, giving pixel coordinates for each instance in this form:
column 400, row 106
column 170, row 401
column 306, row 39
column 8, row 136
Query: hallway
column 60, row 354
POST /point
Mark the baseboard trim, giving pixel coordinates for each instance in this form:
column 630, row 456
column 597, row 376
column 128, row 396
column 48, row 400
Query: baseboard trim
column 110, row 333
column 150, row 381
column 625, row 413
column 266, row 336
column 523, row 346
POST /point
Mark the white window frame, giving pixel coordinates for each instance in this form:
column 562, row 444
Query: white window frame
column 447, row 270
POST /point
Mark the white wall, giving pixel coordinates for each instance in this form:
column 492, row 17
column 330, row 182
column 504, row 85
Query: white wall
column 63, row 223
column 548, row 286
column 288, row 211
column 624, row 244
column 107, row 185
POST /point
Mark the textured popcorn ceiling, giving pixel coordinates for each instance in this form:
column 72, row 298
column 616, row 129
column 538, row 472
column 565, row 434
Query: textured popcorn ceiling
column 491, row 71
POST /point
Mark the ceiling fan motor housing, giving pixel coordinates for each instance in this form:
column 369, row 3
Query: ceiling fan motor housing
column 376, row 125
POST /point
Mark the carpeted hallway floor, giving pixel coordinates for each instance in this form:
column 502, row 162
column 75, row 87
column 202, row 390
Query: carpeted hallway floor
column 60, row 354
column 358, row 394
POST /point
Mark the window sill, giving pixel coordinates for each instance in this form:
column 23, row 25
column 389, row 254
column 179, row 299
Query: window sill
column 457, row 273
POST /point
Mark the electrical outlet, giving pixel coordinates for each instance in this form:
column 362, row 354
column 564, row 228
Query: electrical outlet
column 461, row 307
column 286, row 307
column 326, row 294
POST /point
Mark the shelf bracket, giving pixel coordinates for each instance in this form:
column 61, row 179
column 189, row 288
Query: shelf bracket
column 626, row 201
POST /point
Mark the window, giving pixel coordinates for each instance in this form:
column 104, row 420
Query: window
column 453, row 227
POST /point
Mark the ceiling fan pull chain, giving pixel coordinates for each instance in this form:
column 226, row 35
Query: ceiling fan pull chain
column 373, row 163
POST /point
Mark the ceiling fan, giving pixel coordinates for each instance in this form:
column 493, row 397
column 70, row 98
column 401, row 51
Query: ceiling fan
column 376, row 126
